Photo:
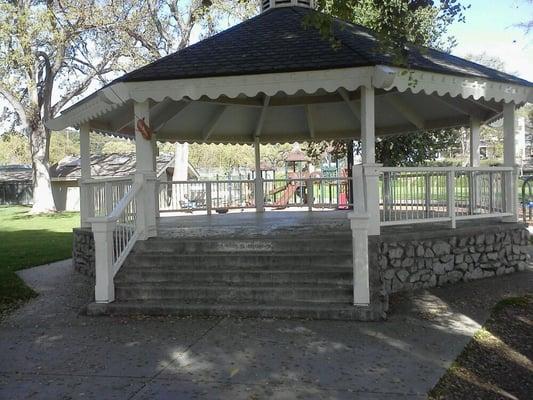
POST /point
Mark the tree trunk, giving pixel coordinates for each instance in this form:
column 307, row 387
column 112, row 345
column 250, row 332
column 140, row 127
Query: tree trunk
column 43, row 200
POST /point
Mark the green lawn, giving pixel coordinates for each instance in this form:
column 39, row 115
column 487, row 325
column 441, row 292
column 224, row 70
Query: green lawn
column 27, row 241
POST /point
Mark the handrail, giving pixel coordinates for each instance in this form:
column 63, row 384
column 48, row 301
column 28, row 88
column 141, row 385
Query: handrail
column 96, row 180
column 204, row 182
column 120, row 207
column 446, row 169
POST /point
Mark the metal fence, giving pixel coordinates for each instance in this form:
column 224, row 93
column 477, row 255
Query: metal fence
column 16, row 193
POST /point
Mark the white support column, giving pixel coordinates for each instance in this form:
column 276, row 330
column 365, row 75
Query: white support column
column 509, row 160
column 103, row 240
column 146, row 172
column 259, row 195
column 475, row 127
column 371, row 173
column 359, row 224
column 86, row 193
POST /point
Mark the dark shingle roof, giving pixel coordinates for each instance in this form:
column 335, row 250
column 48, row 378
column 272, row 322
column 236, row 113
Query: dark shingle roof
column 15, row 173
column 278, row 41
column 109, row 165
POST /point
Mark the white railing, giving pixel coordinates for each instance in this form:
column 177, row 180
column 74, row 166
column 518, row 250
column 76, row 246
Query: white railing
column 105, row 193
column 307, row 192
column 240, row 194
column 411, row 195
column 115, row 235
column 206, row 195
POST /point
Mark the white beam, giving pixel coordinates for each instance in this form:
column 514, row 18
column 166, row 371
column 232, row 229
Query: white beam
column 262, row 117
column 407, row 111
column 259, row 195
column 213, row 123
column 351, row 105
column 509, row 140
column 475, row 126
column 310, row 121
column 509, row 160
column 86, row 195
column 462, row 106
column 368, row 125
column 145, row 173
column 168, row 114
column 371, row 176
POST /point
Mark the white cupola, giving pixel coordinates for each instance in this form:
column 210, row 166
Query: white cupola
column 268, row 4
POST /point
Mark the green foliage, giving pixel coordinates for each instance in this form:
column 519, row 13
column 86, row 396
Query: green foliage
column 27, row 241
column 414, row 149
column 223, row 157
column 14, row 149
column 398, row 23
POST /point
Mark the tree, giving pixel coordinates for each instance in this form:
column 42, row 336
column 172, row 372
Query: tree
column 400, row 25
column 402, row 150
column 168, row 27
column 527, row 26
column 50, row 53
column 14, row 149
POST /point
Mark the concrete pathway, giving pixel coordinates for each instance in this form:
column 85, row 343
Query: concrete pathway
column 50, row 350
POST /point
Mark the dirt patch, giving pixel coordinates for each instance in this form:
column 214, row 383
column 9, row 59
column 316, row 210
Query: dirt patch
column 497, row 363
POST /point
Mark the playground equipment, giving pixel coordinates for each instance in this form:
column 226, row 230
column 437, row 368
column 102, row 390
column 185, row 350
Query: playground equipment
column 327, row 188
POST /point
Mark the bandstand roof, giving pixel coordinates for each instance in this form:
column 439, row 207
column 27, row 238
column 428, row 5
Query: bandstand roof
column 273, row 78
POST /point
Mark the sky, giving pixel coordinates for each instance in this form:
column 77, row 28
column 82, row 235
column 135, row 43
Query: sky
column 489, row 28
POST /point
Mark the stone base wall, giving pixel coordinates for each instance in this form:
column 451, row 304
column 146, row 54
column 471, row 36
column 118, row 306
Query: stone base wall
column 435, row 258
column 83, row 256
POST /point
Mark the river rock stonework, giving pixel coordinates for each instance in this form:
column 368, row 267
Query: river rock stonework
column 440, row 259
column 83, row 252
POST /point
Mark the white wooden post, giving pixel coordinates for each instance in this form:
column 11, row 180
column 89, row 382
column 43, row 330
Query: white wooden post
column 209, row 198
column 359, row 222
column 103, row 240
column 259, row 195
column 450, row 188
column 371, row 171
column 475, row 127
column 310, row 194
column 146, row 168
column 509, row 160
column 108, row 197
column 86, row 191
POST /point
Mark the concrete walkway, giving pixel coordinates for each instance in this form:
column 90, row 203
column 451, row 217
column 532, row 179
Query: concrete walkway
column 49, row 350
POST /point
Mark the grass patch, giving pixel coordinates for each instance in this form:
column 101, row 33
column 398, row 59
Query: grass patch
column 496, row 364
column 27, row 241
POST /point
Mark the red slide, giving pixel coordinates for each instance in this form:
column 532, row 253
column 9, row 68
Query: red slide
column 286, row 195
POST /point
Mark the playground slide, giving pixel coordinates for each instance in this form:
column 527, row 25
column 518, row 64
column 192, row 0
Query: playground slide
column 286, row 195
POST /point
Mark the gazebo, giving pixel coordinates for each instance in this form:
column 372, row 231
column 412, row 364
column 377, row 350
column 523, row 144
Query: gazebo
column 271, row 79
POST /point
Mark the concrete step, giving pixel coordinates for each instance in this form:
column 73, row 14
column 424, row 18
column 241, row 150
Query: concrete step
column 342, row 311
column 173, row 246
column 233, row 293
column 265, row 261
column 141, row 275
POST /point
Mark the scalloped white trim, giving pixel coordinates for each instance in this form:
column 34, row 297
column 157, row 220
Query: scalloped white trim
column 247, row 85
column 457, row 86
column 290, row 83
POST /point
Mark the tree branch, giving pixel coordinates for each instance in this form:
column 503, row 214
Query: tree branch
column 16, row 104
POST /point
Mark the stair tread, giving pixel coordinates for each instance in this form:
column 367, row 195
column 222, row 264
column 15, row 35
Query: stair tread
column 251, row 285
column 293, row 309
column 240, row 304
column 314, row 269
column 167, row 254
